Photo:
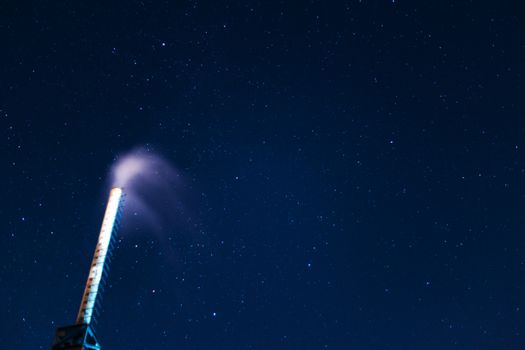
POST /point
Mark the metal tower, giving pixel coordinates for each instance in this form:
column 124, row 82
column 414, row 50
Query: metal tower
column 81, row 335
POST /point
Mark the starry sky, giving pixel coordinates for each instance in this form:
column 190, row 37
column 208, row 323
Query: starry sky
column 354, row 172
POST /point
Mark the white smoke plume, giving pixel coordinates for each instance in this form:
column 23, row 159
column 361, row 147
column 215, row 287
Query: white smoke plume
column 154, row 192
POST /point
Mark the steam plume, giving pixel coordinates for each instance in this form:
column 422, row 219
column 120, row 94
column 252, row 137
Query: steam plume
column 154, row 190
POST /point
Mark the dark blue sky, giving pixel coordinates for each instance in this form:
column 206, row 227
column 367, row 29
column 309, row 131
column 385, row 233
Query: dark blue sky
column 354, row 172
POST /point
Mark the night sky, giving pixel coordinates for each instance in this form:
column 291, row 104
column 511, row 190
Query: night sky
column 353, row 172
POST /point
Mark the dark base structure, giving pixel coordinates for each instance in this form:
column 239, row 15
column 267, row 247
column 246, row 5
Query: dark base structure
column 76, row 337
